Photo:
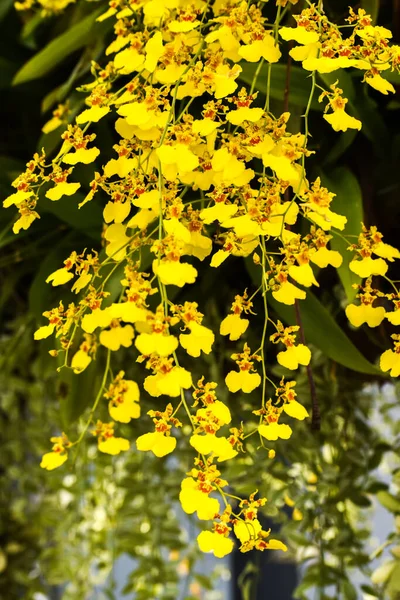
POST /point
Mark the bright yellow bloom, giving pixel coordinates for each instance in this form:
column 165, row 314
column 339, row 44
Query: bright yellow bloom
column 341, row 121
column 234, row 326
column 390, row 361
column 365, row 313
column 58, row 456
column 199, row 245
column 62, row 189
column 219, row 446
column 44, row 332
column 324, row 257
column 124, row 397
column 154, row 50
column 116, row 337
column 328, row 65
column 294, row 356
column 179, row 157
column 156, row 442
column 211, row 541
column 116, row 211
column 113, row 445
column 172, row 272
column 17, row 198
column 200, row 339
column 169, row 384
column 393, row 317
column 97, row 318
column 193, row 499
column 273, row 431
column 242, row 380
column 59, row 277
column 53, row 460
column 237, row 117
column 94, row 114
column 296, row 410
column 380, row 84
column 288, row 293
column 299, row 34
column 80, row 361
column 247, row 530
column 156, row 343
column 368, row 266
column 303, row 274
column 265, row 48
column 83, row 155
column 115, row 234
column 220, row 212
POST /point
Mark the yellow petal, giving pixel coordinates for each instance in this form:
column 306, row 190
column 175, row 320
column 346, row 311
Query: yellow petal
column 390, row 361
column 174, row 273
column 368, row 266
column 116, row 211
column 273, row 431
column 156, row 343
column 358, row 315
column 299, row 34
column 53, row 460
column 80, row 361
column 237, row 117
column 62, row 189
column 296, row 410
column 288, row 293
column 154, row 50
column 200, row 339
column 276, row 545
column 59, row 277
column 242, row 380
column 233, row 326
column 220, row 212
column 341, row 121
column 114, row 445
column 303, row 274
column 83, row 155
column 293, row 356
column 216, row 543
column 380, row 84
column 97, row 318
column 116, row 337
column 124, row 411
column 324, row 257
column 392, row 317
column 247, row 530
column 94, row 114
column 43, row 332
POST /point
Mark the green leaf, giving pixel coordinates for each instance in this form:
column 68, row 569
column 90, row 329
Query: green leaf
column 322, row 330
column 300, row 84
column 348, row 202
column 5, row 6
column 371, row 7
column 340, row 146
column 393, row 586
column 87, row 219
column 58, row 49
column 388, row 501
column 349, row 591
column 7, row 72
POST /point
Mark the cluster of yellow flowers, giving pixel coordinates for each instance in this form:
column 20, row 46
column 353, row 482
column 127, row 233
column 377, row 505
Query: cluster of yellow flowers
column 200, row 170
column 47, row 7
